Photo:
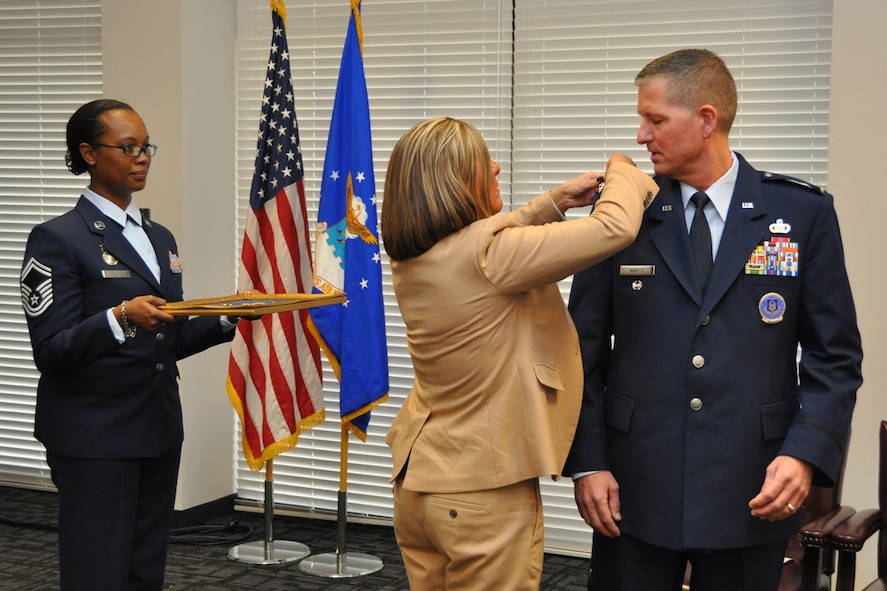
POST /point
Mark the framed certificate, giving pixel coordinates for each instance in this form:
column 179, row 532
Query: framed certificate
column 254, row 304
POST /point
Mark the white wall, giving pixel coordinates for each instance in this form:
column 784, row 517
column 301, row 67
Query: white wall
column 856, row 148
column 173, row 61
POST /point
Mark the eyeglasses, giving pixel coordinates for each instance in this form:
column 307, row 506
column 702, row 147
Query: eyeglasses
column 131, row 150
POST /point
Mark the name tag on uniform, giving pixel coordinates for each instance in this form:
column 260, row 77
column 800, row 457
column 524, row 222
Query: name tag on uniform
column 637, row 270
column 115, row 274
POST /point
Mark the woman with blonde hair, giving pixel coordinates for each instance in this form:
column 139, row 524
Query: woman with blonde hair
column 498, row 376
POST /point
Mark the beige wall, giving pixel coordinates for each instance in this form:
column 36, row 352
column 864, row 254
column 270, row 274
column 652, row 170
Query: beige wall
column 172, row 60
column 856, row 147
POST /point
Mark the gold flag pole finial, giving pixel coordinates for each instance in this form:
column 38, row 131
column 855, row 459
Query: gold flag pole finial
column 355, row 8
column 279, row 7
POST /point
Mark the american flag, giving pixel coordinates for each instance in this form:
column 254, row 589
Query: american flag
column 347, row 247
column 274, row 371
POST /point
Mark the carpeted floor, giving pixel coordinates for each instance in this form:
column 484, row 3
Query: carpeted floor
column 29, row 554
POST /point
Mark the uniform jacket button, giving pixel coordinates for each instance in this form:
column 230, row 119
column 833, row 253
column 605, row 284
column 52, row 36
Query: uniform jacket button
column 159, row 367
column 696, row 404
column 698, row 361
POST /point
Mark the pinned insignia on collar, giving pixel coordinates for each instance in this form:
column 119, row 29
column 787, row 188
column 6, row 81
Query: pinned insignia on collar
column 772, row 308
column 99, row 225
column 780, row 227
column 109, row 258
column 748, row 205
column 666, row 208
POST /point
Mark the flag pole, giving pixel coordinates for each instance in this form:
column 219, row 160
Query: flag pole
column 342, row 513
column 269, row 551
column 341, row 563
column 347, row 217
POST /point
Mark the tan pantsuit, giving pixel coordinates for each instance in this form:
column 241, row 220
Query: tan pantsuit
column 498, row 382
column 490, row 539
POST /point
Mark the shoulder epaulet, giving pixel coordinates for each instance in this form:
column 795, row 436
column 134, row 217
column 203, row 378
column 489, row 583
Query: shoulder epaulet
column 772, row 176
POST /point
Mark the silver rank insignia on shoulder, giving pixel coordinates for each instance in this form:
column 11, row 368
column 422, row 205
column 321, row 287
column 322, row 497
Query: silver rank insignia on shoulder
column 772, row 308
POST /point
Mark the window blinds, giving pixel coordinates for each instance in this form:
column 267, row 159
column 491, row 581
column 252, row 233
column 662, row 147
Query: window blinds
column 50, row 63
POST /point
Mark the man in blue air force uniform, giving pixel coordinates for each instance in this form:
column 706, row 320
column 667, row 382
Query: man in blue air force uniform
column 700, row 435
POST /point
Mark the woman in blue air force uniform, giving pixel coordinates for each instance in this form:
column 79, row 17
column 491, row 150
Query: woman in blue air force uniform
column 108, row 409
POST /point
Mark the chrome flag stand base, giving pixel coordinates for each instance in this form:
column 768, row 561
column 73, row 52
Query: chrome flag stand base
column 338, row 566
column 341, row 564
column 269, row 551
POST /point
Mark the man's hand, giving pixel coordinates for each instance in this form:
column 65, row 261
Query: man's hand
column 597, row 497
column 786, row 486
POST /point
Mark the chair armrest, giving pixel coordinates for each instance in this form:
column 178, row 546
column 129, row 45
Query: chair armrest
column 853, row 533
column 818, row 532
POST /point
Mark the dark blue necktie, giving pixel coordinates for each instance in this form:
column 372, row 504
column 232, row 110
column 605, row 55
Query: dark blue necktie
column 700, row 239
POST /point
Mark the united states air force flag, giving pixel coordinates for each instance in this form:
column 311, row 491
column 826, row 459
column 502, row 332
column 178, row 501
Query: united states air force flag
column 346, row 248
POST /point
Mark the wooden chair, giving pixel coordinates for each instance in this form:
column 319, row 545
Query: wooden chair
column 810, row 557
column 850, row 537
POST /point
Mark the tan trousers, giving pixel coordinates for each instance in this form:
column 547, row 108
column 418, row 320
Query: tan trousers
column 484, row 540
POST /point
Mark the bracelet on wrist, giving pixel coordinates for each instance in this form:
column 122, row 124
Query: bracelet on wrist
column 129, row 331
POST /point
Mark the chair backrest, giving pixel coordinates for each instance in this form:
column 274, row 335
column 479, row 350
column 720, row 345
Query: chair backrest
column 820, row 501
column 882, row 503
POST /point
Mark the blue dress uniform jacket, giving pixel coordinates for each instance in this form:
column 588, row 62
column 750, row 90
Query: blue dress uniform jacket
column 98, row 398
column 699, row 393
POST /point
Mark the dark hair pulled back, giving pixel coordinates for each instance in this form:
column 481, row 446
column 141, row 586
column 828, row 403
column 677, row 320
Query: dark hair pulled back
column 85, row 126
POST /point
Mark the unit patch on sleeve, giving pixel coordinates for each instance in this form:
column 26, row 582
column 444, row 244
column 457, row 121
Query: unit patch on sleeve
column 36, row 287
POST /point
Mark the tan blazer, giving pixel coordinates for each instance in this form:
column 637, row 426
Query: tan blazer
column 498, row 374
